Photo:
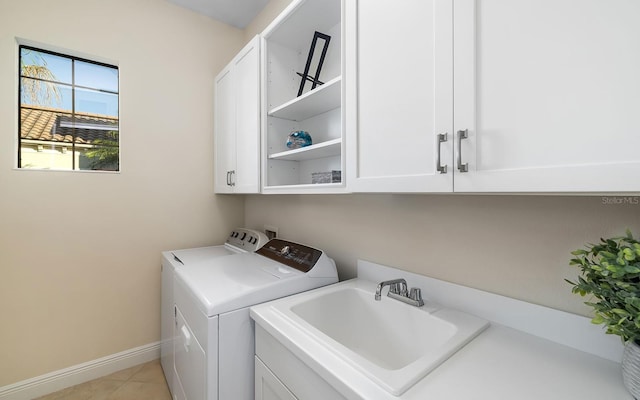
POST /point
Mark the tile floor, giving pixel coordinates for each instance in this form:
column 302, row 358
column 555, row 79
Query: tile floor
column 142, row 382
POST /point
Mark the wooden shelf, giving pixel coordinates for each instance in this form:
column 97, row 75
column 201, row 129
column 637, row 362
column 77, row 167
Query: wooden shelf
column 315, row 102
column 320, row 150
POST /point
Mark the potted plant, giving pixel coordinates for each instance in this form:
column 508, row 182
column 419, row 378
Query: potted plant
column 610, row 273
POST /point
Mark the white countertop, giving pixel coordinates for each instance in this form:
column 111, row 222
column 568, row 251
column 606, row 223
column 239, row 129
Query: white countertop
column 501, row 363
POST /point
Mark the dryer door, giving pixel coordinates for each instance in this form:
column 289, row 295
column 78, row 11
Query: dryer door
column 190, row 361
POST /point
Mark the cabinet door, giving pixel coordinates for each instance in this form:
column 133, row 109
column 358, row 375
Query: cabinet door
column 268, row 386
column 549, row 91
column 224, row 131
column 399, row 95
column 237, row 123
column 246, row 178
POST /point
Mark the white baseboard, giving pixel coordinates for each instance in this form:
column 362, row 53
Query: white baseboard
column 58, row 380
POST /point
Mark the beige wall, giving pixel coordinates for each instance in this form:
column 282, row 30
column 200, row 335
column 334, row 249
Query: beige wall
column 518, row 246
column 80, row 252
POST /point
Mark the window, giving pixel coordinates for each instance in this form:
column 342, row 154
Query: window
column 68, row 112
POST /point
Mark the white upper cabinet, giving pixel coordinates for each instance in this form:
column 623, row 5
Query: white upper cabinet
column 399, row 95
column 546, row 92
column 237, row 123
column 318, row 111
column 549, row 91
column 224, row 132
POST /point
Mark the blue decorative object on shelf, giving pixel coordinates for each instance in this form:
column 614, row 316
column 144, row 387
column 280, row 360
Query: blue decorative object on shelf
column 298, row 139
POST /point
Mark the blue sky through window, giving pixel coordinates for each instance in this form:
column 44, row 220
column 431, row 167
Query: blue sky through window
column 94, row 76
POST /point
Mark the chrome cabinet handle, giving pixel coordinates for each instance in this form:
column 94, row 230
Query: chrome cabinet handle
column 462, row 134
column 233, row 173
column 442, row 137
column 228, row 178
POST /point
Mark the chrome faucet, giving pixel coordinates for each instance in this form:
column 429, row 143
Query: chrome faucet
column 398, row 291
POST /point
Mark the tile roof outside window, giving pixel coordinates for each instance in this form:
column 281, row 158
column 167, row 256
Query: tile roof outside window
column 42, row 123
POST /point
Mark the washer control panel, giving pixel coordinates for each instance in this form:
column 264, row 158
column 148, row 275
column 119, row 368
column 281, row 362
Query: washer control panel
column 293, row 255
column 247, row 239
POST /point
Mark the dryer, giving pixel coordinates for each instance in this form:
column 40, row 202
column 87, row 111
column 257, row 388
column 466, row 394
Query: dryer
column 240, row 240
column 214, row 350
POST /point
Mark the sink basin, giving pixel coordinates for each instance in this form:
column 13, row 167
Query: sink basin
column 387, row 333
column 392, row 343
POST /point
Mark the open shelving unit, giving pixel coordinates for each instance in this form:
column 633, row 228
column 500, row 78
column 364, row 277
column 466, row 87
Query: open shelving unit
column 286, row 43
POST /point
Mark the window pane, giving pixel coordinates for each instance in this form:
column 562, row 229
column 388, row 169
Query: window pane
column 46, row 155
column 43, row 125
column 46, row 94
column 104, row 155
column 96, row 76
column 36, row 64
column 44, row 144
column 94, row 102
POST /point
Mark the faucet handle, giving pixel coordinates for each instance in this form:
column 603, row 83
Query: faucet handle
column 398, row 288
column 393, row 288
column 416, row 294
column 403, row 289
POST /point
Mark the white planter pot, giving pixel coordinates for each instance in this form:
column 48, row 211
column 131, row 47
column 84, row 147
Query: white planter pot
column 631, row 368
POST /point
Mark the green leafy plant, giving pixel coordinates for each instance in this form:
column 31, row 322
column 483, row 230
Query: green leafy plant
column 611, row 274
column 105, row 154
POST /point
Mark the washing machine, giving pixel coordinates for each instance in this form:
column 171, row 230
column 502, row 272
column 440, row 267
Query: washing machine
column 214, row 350
column 240, row 240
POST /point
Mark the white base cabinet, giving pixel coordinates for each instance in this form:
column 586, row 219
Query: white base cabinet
column 237, row 123
column 281, row 375
column 268, row 386
column 532, row 95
